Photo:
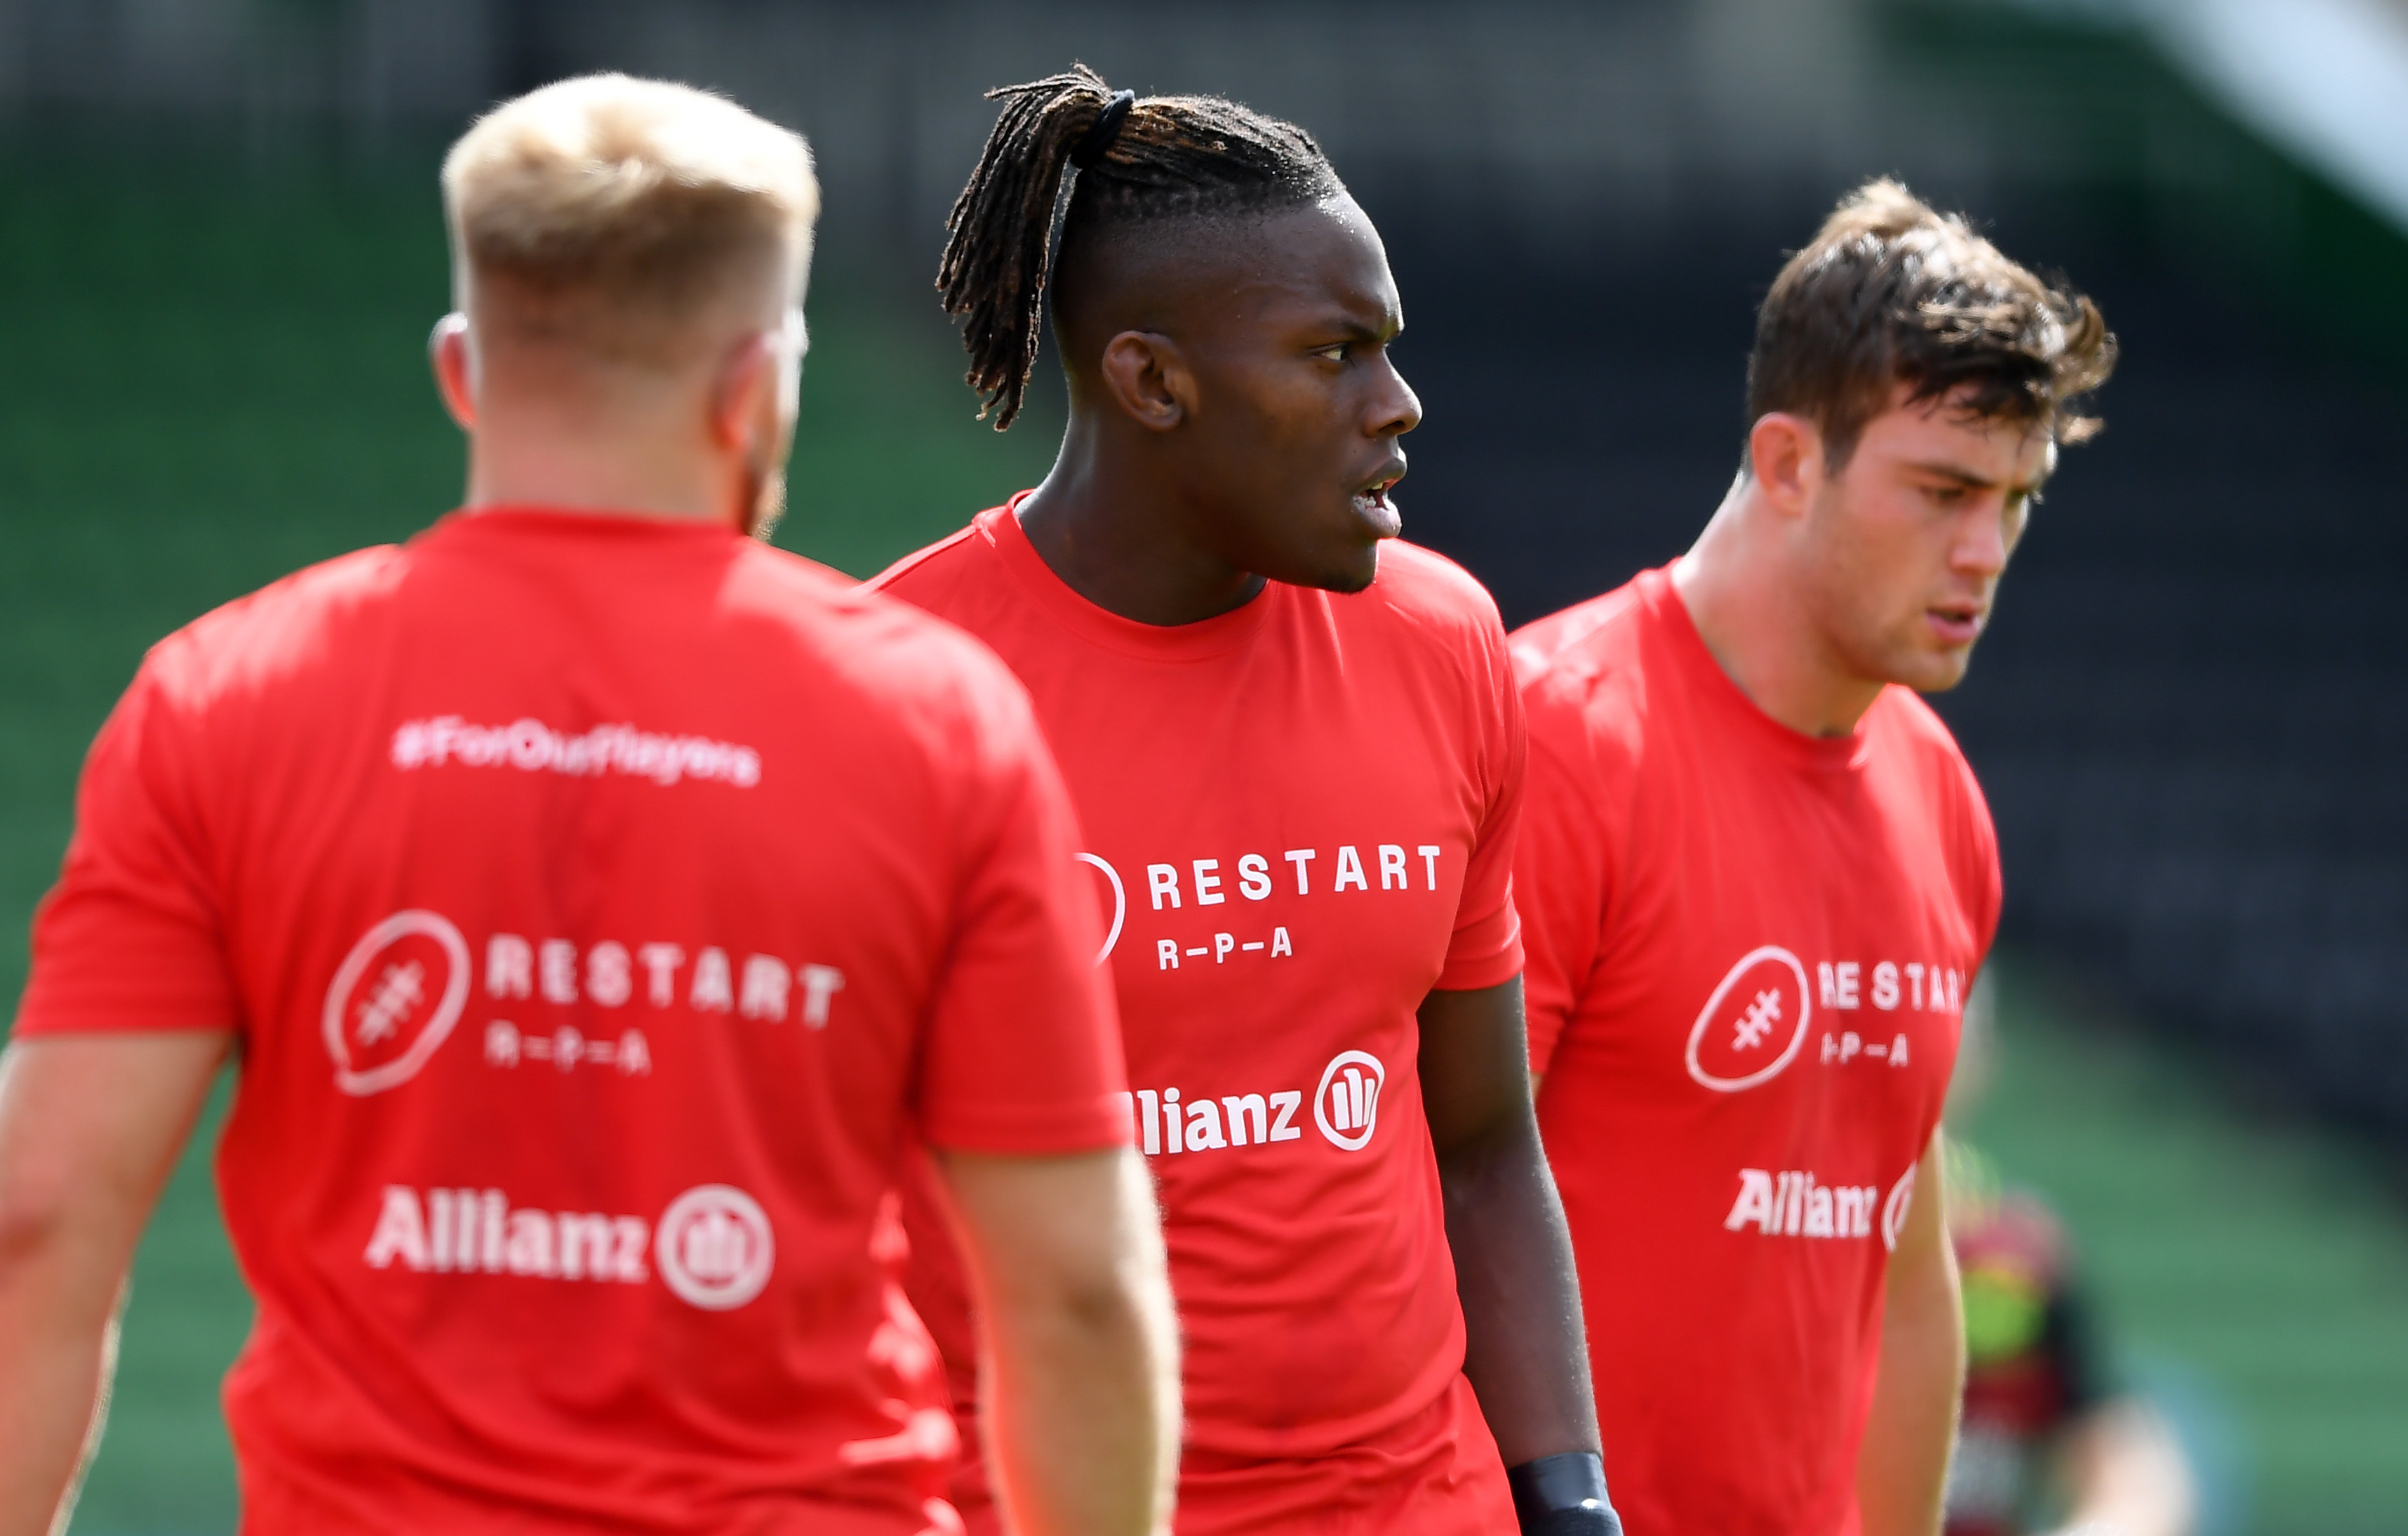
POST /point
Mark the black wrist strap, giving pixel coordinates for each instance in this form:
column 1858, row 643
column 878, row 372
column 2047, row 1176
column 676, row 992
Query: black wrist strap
column 1563, row 1495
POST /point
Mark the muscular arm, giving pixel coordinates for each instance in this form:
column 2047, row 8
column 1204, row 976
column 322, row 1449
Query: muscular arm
column 90, row 1128
column 1082, row 1370
column 1903, row 1466
column 1525, row 1353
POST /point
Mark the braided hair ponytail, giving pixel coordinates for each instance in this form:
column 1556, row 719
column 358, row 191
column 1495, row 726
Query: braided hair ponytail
column 1138, row 158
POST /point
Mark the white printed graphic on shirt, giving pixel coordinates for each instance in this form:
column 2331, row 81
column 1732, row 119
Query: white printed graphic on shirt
column 405, row 979
column 1345, row 1107
column 1754, row 1024
column 1792, row 1203
column 398, row 994
column 531, row 746
column 1120, row 904
column 1199, row 883
column 713, row 1245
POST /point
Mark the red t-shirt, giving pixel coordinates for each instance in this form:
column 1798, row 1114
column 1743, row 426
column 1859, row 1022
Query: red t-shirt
column 1749, row 953
column 604, row 904
column 1300, row 815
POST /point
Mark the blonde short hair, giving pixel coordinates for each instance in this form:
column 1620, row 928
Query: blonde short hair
column 609, row 215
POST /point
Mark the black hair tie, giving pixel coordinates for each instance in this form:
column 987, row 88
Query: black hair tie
column 1098, row 139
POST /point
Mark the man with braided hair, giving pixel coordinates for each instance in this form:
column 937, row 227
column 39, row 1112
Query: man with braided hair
column 1760, row 878
column 1297, row 757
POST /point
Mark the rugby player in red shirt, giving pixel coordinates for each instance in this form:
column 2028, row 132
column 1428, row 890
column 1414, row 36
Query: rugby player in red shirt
column 1296, row 755
column 1759, row 878
column 598, row 902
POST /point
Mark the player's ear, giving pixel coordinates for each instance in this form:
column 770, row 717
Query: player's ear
column 447, row 352
column 1148, row 377
column 748, row 390
column 1786, row 453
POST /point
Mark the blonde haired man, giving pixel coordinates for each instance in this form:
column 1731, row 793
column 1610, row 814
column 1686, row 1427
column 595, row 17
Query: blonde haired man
column 596, row 902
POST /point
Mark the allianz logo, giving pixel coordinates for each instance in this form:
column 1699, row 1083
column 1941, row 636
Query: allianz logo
column 712, row 1247
column 1792, row 1203
column 1345, row 1109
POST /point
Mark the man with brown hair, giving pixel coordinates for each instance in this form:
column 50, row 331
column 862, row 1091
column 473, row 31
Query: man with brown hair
column 1757, row 879
column 597, row 901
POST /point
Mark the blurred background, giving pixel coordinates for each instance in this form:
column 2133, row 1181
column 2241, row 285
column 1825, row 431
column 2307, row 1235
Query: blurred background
column 220, row 250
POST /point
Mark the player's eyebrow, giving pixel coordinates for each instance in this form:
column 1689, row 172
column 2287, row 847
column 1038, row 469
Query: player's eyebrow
column 1972, row 482
column 1351, row 324
column 1347, row 330
column 1965, row 478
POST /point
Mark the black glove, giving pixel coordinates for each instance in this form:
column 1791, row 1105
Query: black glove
column 1563, row 1495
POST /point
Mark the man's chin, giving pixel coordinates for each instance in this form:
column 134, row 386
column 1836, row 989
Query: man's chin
column 1358, row 570
column 1935, row 672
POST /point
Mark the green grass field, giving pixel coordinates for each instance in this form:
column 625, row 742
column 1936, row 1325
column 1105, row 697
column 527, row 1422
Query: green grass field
column 209, row 381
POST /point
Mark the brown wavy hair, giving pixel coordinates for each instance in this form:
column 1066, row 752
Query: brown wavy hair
column 1892, row 291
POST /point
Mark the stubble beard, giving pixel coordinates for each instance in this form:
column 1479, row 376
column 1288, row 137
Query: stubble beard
column 766, row 501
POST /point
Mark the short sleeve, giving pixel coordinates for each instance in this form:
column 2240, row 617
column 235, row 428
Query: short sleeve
column 1023, row 1052
column 1986, row 854
column 1563, row 869
column 1486, row 947
column 130, row 937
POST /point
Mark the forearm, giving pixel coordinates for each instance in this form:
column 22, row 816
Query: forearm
column 1903, row 1468
column 1079, row 1399
column 1525, row 1350
column 58, row 1301
column 89, row 1127
column 1082, row 1423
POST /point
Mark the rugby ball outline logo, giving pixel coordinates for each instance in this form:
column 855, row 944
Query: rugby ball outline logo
column 1120, row 905
column 1706, row 1018
column 413, row 922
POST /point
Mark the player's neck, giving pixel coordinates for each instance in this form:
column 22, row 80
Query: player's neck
column 534, row 458
column 1120, row 534
column 1750, row 611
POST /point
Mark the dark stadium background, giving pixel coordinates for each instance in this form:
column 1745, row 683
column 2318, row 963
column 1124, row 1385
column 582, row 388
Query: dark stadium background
column 220, row 251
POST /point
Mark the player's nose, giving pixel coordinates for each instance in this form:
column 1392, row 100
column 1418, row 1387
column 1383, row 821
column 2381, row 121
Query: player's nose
column 1396, row 410
column 1982, row 543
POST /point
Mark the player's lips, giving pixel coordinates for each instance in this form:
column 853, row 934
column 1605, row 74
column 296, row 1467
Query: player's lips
column 1372, row 503
column 1957, row 624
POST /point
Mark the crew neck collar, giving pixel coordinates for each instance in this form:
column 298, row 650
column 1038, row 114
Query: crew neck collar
column 1716, row 690
column 1216, row 636
column 530, row 517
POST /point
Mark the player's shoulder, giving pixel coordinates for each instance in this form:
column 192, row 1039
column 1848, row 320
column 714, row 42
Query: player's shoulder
column 1423, row 588
column 1930, row 771
column 1585, row 674
column 279, row 628
column 1574, row 647
column 934, row 566
column 1906, row 727
column 898, row 647
column 908, row 675
column 1428, row 614
column 964, row 577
